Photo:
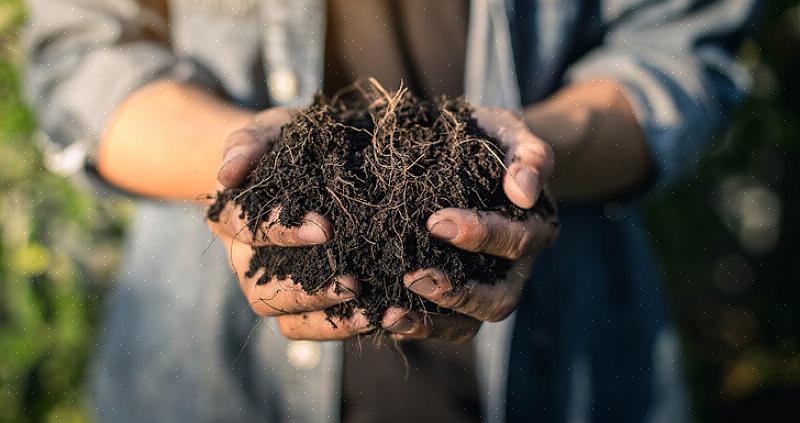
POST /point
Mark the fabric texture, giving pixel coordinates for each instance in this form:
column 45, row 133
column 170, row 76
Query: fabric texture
column 421, row 46
column 418, row 43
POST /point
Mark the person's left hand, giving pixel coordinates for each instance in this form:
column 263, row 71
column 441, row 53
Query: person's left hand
column 529, row 164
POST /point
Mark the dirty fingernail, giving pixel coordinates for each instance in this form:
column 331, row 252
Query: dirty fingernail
column 404, row 325
column 425, row 286
column 311, row 233
column 359, row 321
column 341, row 292
column 527, row 181
column 445, row 229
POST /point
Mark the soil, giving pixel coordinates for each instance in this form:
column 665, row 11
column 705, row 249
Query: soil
column 376, row 164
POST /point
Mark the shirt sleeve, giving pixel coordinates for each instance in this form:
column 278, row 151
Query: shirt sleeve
column 84, row 57
column 675, row 60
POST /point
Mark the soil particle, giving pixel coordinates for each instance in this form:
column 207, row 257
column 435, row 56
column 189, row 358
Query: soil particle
column 377, row 165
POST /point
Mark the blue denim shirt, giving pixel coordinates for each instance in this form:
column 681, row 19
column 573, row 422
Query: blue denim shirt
column 591, row 339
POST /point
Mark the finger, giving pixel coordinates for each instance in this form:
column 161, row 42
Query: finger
column 317, row 326
column 490, row 232
column 414, row 324
column 245, row 147
column 482, row 301
column 284, row 296
column 240, row 159
column 316, row 229
column 281, row 296
column 529, row 160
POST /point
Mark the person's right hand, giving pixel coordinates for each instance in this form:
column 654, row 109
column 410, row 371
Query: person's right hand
column 300, row 315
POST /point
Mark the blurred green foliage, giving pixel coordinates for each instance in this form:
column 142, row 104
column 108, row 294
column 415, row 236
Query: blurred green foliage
column 726, row 238
column 727, row 241
column 57, row 246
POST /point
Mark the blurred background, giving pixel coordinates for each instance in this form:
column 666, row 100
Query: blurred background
column 725, row 237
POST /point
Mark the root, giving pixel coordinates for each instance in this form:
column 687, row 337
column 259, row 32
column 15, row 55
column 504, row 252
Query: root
column 377, row 164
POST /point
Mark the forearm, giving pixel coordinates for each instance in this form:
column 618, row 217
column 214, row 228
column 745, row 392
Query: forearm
column 599, row 148
column 166, row 141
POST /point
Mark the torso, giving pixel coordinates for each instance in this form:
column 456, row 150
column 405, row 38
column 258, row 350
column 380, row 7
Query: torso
column 421, row 45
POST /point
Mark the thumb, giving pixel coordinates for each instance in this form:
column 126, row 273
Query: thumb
column 529, row 160
column 242, row 153
column 244, row 148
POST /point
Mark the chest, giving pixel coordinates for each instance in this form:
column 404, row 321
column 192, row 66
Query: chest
column 265, row 49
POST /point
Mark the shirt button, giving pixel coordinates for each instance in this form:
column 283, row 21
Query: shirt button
column 304, row 355
column 282, row 85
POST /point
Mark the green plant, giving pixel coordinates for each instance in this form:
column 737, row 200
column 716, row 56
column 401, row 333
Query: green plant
column 50, row 283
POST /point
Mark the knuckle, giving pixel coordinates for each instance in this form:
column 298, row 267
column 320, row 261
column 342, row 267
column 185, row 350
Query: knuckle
column 520, row 244
column 501, row 310
column 475, row 308
column 457, row 299
column 506, row 115
column 499, row 315
column 484, row 240
column 244, row 136
column 478, row 236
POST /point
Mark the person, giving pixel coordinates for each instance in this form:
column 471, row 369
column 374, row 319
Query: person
column 165, row 100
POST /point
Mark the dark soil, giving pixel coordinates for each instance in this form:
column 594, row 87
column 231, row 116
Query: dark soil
column 377, row 165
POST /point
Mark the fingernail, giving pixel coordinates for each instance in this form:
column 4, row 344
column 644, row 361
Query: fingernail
column 311, row 233
column 404, row 325
column 341, row 292
column 445, row 229
column 424, row 286
column 527, row 182
column 360, row 321
column 233, row 154
column 228, row 174
column 222, row 173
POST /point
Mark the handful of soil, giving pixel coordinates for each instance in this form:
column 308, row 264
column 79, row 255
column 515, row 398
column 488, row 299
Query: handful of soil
column 376, row 164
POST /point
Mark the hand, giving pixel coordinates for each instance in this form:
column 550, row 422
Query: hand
column 530, row 163
column 299, row 314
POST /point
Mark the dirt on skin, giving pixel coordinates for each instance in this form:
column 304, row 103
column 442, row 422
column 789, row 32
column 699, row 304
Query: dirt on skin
column 377, row 165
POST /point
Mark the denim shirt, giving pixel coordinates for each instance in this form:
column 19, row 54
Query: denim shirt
column 591, row 339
